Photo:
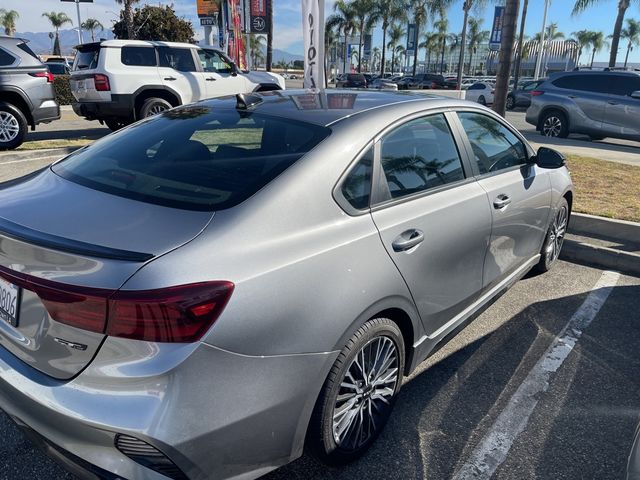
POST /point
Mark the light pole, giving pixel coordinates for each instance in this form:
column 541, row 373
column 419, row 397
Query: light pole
column 77, row 2
column 536, row 75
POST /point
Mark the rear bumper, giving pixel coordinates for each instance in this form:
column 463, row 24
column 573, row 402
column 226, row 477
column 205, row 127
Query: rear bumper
column 121, row 107
column 47, row 112
column 215, row 414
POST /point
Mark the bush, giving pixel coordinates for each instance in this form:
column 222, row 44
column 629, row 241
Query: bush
column 63, row 90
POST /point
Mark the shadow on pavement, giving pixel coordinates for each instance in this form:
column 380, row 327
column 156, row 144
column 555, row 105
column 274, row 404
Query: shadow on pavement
column 583, row 427
column 72, row 134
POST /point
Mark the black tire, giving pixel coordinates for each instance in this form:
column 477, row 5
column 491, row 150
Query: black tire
column 13, row 127
column 321, row 439
column 482, row 100
column 555, row 238
column 114, row 125
column 554, row 123
column 511, row 102
column 152, row 106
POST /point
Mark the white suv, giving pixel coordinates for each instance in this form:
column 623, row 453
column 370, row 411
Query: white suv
column 120, row 81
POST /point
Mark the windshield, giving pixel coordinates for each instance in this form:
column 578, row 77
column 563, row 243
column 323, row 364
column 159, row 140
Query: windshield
column 194, row 157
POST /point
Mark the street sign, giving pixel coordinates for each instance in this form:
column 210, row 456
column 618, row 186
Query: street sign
column 209, row 21
column 411, row 37
column 496, row 31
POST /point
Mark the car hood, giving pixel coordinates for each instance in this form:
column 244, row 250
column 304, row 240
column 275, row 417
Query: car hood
column 265, row 77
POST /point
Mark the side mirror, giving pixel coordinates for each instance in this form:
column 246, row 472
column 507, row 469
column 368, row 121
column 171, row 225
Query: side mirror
column 636, row 94
column 234, row 69
column 549, row 158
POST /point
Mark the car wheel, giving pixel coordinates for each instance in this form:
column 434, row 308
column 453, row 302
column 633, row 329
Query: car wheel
column 554, row 124
column 482, row 100
column 511, row 103
column 555, row 238
column 359, row 394
column 114, row 125
column 153, row 106
column 13, row 127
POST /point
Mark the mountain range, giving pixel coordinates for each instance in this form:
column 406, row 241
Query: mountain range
column 41, row 43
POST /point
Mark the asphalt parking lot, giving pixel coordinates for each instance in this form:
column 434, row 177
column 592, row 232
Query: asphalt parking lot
column 460, row 415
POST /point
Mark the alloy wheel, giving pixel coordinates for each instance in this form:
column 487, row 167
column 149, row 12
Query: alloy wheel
column 366, row 392
column 552, row 126
column 510, row 103
column 9, row 127
column 556, row 234
column 156, row 109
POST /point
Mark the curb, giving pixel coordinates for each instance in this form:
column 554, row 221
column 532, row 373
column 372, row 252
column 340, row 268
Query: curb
column 36, row 154
column 618, row 231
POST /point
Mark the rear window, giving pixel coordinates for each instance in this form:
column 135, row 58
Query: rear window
column 194, row 157
column 57, row 68
column 25, row 48
column 138, row 56
column 6, row 58
column 586, row 83
column 87, row 59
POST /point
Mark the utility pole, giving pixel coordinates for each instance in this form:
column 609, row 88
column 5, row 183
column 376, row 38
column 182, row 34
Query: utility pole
column 536, row 75
column 79, row 22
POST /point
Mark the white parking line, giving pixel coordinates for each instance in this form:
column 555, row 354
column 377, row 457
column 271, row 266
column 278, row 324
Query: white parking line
column 494, row 447
column 52, row 158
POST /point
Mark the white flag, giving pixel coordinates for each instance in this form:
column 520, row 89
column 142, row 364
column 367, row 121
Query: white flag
column 313, row 33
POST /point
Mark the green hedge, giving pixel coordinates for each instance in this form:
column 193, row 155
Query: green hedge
column 63, row 89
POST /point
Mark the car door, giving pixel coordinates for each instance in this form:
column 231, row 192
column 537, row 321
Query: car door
column 623, row 110
column 519, row 193
column 433, row 219
column 589, row 92
column 178, row 71
column 220, row 75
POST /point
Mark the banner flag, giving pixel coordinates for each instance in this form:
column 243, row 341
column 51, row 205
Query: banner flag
column 313, row 33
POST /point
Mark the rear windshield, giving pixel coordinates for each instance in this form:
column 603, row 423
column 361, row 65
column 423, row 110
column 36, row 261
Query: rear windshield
column 194, row 157
column 356, row 77
column 87, row 59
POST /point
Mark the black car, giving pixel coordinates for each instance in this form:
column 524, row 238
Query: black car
column 521, row 96
column 352, row 80
column 431, row 81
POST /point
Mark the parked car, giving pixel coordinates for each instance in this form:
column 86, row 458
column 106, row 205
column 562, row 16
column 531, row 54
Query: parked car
column 120, row 81
column 352, row 80
column 404, row 82
column 521, row 97
column 428, row 81
column 27, row 97
column 596, row 103
column 189, row 329
column 383, row 84
column 481, row 92
column 57, row 68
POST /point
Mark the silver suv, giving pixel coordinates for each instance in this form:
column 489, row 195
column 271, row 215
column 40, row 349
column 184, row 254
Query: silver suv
column 27, row 97
column 599, row 104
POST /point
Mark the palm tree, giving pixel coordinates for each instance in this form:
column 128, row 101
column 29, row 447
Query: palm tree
column 128, row 16
column 343, row 20
column 632, row 35
column 477, row 36
column 91, row 24
column 365, row 15
column 520, row 51
column 331, row 41
column 8, row 21
column 583, row 39
column 421, row 10
column 430, row 43
column 256, row 49
column 395, row 35
column 623, row 5
column 597, row 42
column 57, row 20
column 400, row 53
column 389, row 11
column 509, row 21
column 442, row 26
column 376, row 55
column 467, row 5
column 552, row 32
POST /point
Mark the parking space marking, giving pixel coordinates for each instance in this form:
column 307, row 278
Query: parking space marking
column 494, row 447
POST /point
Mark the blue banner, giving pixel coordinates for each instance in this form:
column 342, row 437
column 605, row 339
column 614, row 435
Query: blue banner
column 496, row 29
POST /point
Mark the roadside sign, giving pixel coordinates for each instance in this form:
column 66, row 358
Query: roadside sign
column 496, row 29
column 209, row 21
column 207, row 8
column 411, row 37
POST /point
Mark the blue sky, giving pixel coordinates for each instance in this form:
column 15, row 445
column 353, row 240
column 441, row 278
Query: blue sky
column 288, row 18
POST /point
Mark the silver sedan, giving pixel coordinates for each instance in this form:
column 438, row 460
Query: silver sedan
column 205, row 292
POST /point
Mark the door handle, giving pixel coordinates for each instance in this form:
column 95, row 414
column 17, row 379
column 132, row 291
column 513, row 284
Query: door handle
column 407, row 240
column 210, row 79
column 501, row 201
column 170, row 78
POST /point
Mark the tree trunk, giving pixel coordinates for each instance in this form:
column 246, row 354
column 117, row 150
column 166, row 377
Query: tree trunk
column 593, row 54
column 520, row 43
column 56, row 45
column 615, row 39
column 506, row 55
column 393, row 59
column 346, row 52
column 360, row 41
column 626, row 58
column 384, row 49
column 415, row 49
column 466, row 7
column 444, row 46
column 269, row 59
column 470, row 71
column 428, row 60
column 128, row 19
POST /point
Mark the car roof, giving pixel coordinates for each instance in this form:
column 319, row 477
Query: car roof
column 141, row 43
column 593, row 72
column 327, row 107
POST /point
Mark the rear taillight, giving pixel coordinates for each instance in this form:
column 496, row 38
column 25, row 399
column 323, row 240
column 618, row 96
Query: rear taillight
column 101, row 82
column 48, row 75
column 174, row 314
column 536, row 93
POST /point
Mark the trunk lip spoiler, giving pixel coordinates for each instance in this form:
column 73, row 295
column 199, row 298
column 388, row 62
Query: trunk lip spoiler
column 54, row 242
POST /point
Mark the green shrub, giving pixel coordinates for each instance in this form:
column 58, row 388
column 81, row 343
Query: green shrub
column 63, row 89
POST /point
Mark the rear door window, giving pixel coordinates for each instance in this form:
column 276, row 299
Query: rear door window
column 180, row 59
column 194, row 157
column 586, row 83
column 356, row 187
column 138, row 56
column 625, row 85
